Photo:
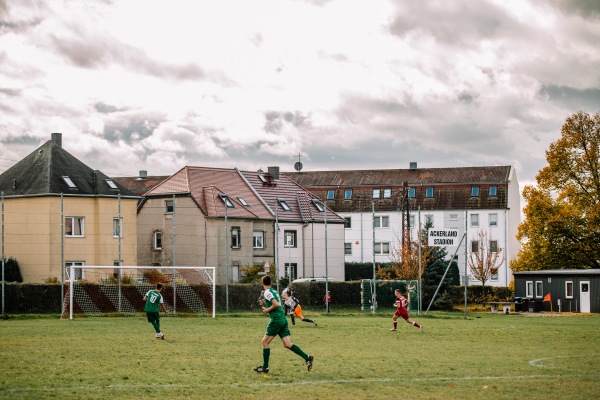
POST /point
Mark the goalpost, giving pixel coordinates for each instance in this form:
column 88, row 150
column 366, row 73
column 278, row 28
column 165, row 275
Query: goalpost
column 385, row 292
column 119, row 290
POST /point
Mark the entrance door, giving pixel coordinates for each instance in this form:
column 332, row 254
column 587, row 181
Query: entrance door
column 584, row 296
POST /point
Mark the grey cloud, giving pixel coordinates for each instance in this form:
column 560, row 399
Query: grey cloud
column 588, row 9
column 20, row 138
column 572, row 98
column 129, row 125
column 276, row 120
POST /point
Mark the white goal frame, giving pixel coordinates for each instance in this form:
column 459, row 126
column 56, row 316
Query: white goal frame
column 211, row 271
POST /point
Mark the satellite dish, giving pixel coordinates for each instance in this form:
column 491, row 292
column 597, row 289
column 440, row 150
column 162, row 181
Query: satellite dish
column 298, row 166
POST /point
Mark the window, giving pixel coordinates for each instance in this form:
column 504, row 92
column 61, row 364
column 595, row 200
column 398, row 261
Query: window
column 111, row 184
column 227, row 201
column 77, row 272
column 493, row 191
column 539, row 289
column 429, row 192
column 236, row 234
column 235, row 272
column 411, row 192
column 348, row 194
column 284, row 205
column 348, row 249
column 382, row 248
column 493, row 219
column 453, row 217
column 290, row 271
column 74, row 226
column 494, row 277
column 494, row 246
column 243, row 202
column 474, row 220
column 529, row 289
column 262, row 178
column 474, row 246
column 289, row 239
column 381, row 221
column 330, row 194
column 169, row 206
column 569, row 289
column 157, row 240
column 474, row 191
column 258, row 241
column 387, row 193
column 411, row 221
column 69, row 183
column 347, row 222
column 319, row 205
column 376, row 193
column 118, row 227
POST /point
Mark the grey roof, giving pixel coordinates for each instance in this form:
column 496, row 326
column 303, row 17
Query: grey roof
column 42, row 171
column 560, row 272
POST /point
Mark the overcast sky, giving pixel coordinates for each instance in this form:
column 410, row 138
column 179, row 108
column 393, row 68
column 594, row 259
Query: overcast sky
column 348, row 84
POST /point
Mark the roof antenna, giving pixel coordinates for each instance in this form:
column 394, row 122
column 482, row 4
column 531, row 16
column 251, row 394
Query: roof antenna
column 298, row 165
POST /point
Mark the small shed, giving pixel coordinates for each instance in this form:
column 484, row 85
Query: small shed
column 571, row 290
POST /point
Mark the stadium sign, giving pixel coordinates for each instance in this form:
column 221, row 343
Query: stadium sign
column 443, row 237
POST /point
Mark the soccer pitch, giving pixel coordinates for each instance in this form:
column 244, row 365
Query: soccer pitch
column 491, row 356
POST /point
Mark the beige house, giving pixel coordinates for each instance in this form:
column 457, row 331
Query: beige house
column 59, row 212
column 226, row 218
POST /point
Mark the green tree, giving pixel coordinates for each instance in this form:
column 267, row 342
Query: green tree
column 562, row 216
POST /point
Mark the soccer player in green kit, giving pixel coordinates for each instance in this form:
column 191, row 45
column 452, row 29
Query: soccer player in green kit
column 153, row 300
column 278, row 326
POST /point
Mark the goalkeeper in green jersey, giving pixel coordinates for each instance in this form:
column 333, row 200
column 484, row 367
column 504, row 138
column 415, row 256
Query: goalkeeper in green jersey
column 154, row 300
column 278, row 326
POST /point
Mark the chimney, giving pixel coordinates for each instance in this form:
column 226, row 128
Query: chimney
column 143, row 174
column 274, row 172
column 413, row 165
column 57, row 139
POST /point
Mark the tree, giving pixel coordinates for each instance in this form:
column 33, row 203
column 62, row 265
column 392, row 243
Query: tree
column 485, row 260
column 562, row 216
column 405, row 258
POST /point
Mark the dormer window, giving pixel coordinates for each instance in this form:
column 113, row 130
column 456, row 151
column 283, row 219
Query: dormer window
column 319, row 205
column 111, row 184
column 284, row 204
column 227, row 201
column 69, row 182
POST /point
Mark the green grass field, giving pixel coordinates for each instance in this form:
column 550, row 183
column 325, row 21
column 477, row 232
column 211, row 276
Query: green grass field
column 483, row 356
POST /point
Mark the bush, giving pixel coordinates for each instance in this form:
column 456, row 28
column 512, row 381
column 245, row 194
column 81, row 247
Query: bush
column 355, row 271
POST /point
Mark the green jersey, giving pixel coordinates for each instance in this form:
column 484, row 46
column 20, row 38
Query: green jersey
column 277, row 313
column 153, row 299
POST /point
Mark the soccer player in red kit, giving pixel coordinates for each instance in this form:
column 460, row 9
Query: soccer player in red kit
column 400, row 304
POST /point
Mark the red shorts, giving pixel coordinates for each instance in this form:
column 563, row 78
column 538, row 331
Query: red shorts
column 402, row 312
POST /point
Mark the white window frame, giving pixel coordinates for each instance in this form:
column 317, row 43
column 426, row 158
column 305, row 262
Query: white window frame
column 243, row 202
column 539, row 289
column 378, row 221
column 412, row 192
column 387, row 193
column 475, row 191
column 429, row 192
column 118, row 227
column 382, row 248
column 348, row 248
column 493, row 191
column 73, row 224
column 79, row 272
column 474, row 220
column 348, row 194
column 157, row 240
column 411, row 221
column 169, row 206
column 288, row 236
column 376, row 193
column 258, row 239
column 236, row 237
column 331, row 194
column 69, row 182
column 453, row 217
column 567, row 284
column 111, row 184
column 493, row 219
column 529, row 289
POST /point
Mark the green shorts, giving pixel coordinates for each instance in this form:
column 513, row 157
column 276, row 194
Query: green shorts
column 278, row 327
column 152, row 316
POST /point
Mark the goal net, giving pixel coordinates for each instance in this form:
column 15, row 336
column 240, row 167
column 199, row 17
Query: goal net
column 381, row 292
column 120, row 290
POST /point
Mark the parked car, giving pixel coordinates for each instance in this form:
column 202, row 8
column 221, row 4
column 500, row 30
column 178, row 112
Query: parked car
column 330, row 279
